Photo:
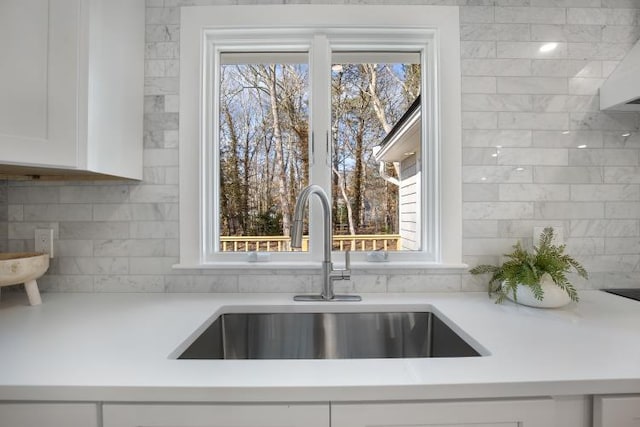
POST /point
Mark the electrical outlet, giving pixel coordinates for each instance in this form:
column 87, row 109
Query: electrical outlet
column 44, row 241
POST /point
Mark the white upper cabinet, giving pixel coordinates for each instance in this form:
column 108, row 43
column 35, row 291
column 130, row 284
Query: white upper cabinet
column 71, row 87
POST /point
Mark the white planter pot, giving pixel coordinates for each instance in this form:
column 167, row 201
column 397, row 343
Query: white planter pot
column 553, row 297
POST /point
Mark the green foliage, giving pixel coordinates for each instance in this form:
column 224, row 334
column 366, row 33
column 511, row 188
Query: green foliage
column 527, row 268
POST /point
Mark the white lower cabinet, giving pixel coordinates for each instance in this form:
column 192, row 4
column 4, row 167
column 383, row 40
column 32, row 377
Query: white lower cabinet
column 225, row 415
column 48, row 415
column 487, row 413
column 616, row 411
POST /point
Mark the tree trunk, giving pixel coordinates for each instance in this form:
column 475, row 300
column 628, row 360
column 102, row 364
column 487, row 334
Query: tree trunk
column 283, row 191
column 343, row 191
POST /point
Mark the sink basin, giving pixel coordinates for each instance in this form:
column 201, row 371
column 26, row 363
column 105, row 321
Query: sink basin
column 327, row 336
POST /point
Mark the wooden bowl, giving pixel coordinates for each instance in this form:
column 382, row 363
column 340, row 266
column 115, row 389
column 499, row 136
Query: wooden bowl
column 24, row 267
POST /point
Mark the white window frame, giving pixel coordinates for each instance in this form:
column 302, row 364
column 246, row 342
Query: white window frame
column 432, row 30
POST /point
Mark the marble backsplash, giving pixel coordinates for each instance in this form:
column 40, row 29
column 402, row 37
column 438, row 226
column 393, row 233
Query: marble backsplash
column 123, row 237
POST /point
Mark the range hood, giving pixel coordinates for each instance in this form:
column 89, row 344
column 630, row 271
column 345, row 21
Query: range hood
column 621, row 91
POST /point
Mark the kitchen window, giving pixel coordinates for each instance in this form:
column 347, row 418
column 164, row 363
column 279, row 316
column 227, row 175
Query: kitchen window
column 361, row 100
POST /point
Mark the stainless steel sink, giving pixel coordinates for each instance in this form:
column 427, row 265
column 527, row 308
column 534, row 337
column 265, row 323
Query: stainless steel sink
column 327, row 336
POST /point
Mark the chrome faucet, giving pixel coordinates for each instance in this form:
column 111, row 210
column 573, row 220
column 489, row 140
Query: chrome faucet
column 329, row 275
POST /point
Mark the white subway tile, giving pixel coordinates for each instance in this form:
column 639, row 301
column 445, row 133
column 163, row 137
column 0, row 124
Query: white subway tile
column 130, row 283
column 532, row 85
column 621, row 139
column 535, row 15
column 620, row 34
column 568, row 139
column 565, row 103
column 566, row 33
column 476, row 14
column 479, row 156
column 598, row 51
column 111, row 265
column 205, row 283
column 276, row 283
column 581, row 246
column 493, row 246
column 479, row 120
column 478, row 84
column 533, row 156
column 496, row 67
column 496, row 138
column 479, row 228
column 497, row 210
column 605, row 192
column 162, row 33
column 93, row 230
column 614, row 121
column 534, row 121
column 94, row 194
column 161, row 85
column 58, row 212
column 622, row 175
column 15, row 213
column 622, row 245
column 160, row 157
column 163, row 16
column 523, row 229
column 154, row 229
column 604, row 227
column 426, row 283
column 495, row 174
column 584, row 86
column 569, row 210
column 533, row 192
column 567, row 175
column 623, row 210
column 610, row 263
column 530, row 50
column 504, row 32
column 494, row 102
column 566, row 68
column 479, row 192
column 604, row 157
column 129, row 247
column 477, row 49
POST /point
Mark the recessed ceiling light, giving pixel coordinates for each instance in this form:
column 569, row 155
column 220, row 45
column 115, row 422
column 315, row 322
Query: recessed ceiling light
column 484, row 178
column 566, row 132
column 626, row 134
column 494, row 155
column 582, row 146
column 548, row 47
column 519, row 169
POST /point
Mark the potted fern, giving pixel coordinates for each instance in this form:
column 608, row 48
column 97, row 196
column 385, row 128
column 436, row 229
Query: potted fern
column 537, row 278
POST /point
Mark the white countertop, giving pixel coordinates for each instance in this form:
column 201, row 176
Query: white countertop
column 116, row 347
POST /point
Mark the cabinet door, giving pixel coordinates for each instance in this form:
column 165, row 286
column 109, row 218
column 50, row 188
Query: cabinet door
column 498, row 413
column 236, row 415
column 618, row 411
column 48, row 415
column 38, row 89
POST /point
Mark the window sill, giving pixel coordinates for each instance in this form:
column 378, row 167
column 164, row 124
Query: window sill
column 355, row 266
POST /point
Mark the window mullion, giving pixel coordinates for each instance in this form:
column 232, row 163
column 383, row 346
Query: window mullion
column 320, row 170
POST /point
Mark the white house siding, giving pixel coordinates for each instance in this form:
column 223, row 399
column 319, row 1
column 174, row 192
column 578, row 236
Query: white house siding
column 409, row 204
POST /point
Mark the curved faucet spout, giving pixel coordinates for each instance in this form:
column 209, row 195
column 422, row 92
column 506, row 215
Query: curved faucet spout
column 298, row 218
column 328, row 273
